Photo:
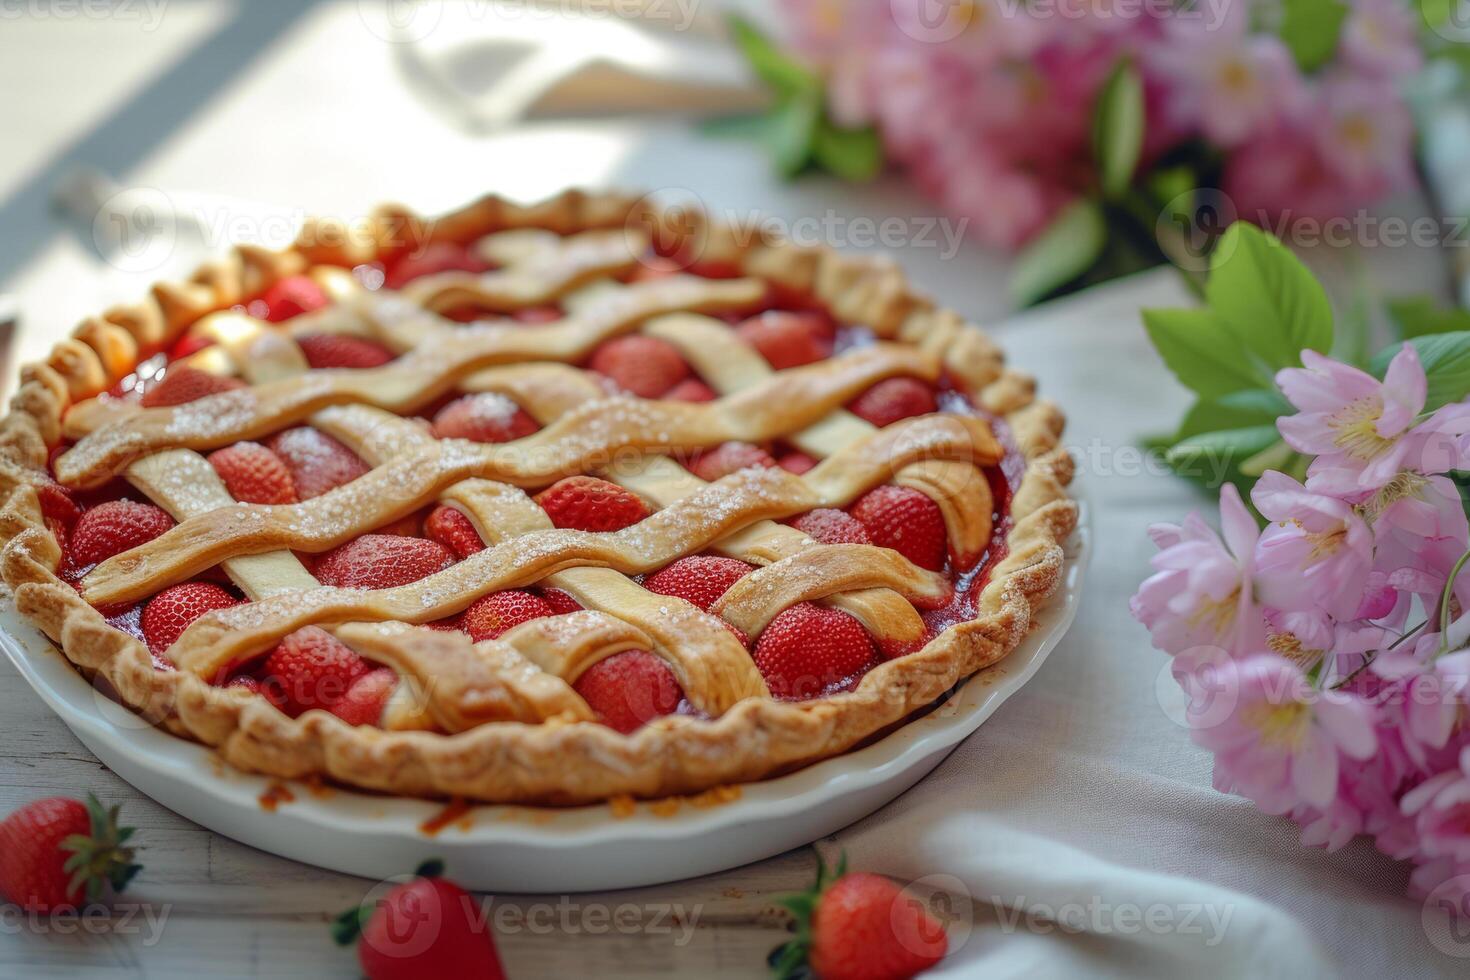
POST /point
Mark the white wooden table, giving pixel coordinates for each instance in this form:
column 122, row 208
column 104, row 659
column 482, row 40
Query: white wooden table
column 320, row 121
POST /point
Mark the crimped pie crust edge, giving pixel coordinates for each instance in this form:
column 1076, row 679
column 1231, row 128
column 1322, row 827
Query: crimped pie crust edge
column 555, row 762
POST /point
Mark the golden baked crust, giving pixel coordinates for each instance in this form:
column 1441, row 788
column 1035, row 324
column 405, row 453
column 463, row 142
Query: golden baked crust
column 497, row 721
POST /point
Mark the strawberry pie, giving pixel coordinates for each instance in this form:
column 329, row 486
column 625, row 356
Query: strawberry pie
column 550, row 503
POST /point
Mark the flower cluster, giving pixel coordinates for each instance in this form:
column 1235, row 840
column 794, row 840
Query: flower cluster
column 1324, row 658
column 988, row 103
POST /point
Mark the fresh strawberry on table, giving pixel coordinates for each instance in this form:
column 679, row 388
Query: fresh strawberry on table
column 858, row 926
column 425, row 927
column 57, row 854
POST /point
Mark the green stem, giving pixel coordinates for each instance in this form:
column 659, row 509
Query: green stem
column 1444, row 604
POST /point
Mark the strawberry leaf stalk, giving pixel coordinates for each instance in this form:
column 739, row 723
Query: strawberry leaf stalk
column 101, row 859
column 857, row 926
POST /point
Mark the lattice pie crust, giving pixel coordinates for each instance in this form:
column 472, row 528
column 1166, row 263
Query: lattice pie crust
column 499, row 720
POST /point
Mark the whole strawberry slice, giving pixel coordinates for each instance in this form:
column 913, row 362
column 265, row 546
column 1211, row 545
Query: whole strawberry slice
column 691, row 390
column 499, row 612
column 828, row 526
column 452, row 529
column 317, row 462
column 729, row 457
column 170, row 612
column 485, row 416
column 630, row 689
column 894, row 399
column 700, row 579
column 425, row 927
column 382, row 561
column 182, row 384
column 859, row 926
column 788, row 340
column 907, row 521
column 809, row 648
column 341, row 350
column 114, row 527
column 57, row 854
column 253, row 474
column 644, row 366
column 364, row 701
column 311, row 668
column 586, row 503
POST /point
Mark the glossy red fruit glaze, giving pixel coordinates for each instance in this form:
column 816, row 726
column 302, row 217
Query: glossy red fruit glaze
column 630, row 689
column 829, row 526
column 894, row 399
column 485, row 416
column 700, row 579
column 727, row 458
column 907, row 521
column 169, row 613
column 808, row 649
column 382, row 561
column 788, row 340
column 451, row 528
column 183, row 384
column 288, row 298
column 253, row 474
column 644, row 366
column 431, row 259
column 340, row 350
column 586, row 503
column 490, row 616
column 317, row 462
column 114, row 527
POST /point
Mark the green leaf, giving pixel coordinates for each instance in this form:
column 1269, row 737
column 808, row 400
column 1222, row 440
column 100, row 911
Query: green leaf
column 792, row 130
column 1416, row 316
column 1211, row 456
column 1237, row 410
column 1118, row 121
column 1310, row 29
column 1202, row 351
column 1267, row 297
column 1446, row 360
column 789, row 960
column 852, row 154
column 774, row 67
column 1061, row 253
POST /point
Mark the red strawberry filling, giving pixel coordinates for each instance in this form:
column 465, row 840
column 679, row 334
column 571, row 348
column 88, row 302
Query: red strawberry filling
column 807, row 650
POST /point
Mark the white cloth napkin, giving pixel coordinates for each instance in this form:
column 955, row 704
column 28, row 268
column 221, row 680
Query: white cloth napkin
column 1081, row 798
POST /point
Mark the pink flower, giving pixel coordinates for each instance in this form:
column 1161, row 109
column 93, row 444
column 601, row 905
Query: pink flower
column 1317, row 554
column 1282, row 742
column 1365, row 134
column 1441, row 808
column 1381, row 37
column 1226, row 82
column 1201, row 594
column 1351, row 421
column 1278, row 175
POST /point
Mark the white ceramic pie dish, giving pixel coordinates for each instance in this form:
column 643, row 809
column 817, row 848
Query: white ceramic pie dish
column 529, row 849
